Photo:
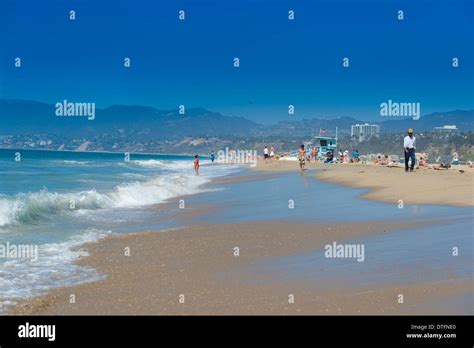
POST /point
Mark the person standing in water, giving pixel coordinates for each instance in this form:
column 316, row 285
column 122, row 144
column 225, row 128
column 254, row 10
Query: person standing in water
column 212, row 157
column 196, row 164
column 302, row 157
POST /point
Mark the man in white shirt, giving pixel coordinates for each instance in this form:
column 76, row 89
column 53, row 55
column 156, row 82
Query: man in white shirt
column 409, row 145
column 265, row 153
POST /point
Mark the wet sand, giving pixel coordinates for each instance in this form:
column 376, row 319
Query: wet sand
column 199, row 263
column 424, row 186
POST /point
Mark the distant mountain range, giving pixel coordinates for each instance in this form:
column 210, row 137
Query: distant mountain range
column 26, row 117
column 463, row 119
column 20, row 117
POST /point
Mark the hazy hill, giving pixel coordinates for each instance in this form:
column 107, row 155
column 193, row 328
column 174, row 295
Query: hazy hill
column 464, row 120
column 20, row 117
column 144, row 123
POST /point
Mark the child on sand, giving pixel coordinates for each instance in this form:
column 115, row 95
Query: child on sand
column 196, row 164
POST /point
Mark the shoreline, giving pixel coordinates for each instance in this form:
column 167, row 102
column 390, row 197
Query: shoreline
column 389, row 185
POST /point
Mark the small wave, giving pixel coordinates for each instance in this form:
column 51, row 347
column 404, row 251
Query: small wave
column 148, row 163
column 155, row 191
column 133, row 175
column 152, row 164
column 71, row 162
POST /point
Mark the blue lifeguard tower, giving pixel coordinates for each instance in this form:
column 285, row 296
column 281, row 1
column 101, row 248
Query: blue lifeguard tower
column 325, row 142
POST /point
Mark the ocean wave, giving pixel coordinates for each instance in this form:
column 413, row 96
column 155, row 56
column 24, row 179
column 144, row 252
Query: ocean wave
column 27, row 208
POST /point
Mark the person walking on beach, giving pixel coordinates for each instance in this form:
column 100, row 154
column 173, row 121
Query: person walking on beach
column 409, row 145
column 196, row 164
column 302, row 157
column 265, row 154
column 213, row 157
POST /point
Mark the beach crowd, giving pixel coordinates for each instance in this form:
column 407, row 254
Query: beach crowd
column 410, row 161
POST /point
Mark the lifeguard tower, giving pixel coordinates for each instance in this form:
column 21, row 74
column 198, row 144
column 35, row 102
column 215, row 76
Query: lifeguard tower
column 325, row 142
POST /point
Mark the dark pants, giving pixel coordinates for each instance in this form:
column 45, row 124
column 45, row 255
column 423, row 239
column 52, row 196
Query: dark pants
column 410, row 153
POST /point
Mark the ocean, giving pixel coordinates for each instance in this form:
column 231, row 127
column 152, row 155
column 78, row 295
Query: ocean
column 54, row 201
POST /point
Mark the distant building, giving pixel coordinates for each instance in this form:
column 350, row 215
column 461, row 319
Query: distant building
column 365, row 131
column 446, row 129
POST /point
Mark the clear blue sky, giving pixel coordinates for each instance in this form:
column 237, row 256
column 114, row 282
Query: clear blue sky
column 282, row 62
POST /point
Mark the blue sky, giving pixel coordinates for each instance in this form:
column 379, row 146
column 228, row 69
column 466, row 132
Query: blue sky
column 282, row 62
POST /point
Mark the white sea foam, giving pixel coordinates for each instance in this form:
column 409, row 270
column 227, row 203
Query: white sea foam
column 148, row 163
column 160, row 164
column 55, row 267
column 155, row 191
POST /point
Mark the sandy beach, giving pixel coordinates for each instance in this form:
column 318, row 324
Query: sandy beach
column 194, row 270
column 424, row 186
column 199, row 263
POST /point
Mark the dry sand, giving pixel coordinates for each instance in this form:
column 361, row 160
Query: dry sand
column 199, row 262
column 424, row 186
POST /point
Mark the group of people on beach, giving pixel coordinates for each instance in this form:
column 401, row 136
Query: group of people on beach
column 268, row 154
column 409, row 148
column 344, row 156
